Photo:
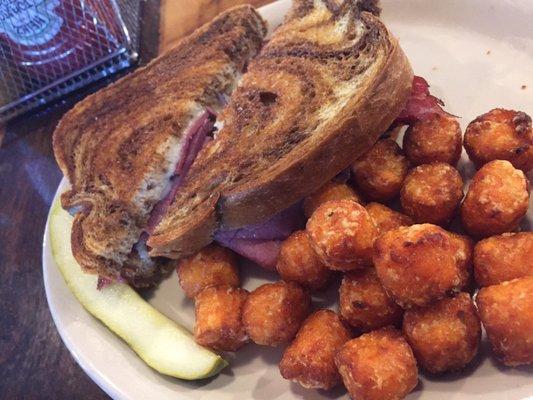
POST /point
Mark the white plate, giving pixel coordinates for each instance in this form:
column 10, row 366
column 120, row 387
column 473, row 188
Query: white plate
column 476, row 54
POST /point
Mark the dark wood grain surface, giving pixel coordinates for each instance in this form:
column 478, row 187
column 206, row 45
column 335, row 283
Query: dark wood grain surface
column 34, row 363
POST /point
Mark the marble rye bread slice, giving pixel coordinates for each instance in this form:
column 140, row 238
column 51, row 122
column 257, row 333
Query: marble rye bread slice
column 329, row 81
column 120, row 147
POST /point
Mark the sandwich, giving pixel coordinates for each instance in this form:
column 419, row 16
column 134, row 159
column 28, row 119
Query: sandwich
column 222, row 137
column 328, row 83
column 128, row 147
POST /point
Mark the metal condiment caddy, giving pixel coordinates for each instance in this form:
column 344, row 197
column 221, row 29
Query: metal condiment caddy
column 49, row 48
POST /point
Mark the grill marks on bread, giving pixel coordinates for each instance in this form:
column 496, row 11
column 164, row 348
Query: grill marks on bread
column 119, row 147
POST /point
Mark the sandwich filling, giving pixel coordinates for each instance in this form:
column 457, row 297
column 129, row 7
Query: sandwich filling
column 261, row 242
column 421, row 105
column 199, row 132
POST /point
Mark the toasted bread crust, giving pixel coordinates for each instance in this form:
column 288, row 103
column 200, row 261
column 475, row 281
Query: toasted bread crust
column 309, row 105
column 353, row 135
column 119, row 147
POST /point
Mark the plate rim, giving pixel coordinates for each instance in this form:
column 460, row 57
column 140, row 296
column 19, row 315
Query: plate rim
column 105, row 382
column 48, row 261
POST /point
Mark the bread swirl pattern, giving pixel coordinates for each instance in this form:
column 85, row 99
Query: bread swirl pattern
column 328, row 83
column 120, row 147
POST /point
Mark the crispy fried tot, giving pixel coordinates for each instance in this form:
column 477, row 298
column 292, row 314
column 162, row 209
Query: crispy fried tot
column 444, row 335
column 380, row 172
column 436, row 139
column 420, row 264
column 364, row 304
column 218, row 312
column 378, row 366
column 212, row 266
column 310, row 358
column 496, row 201
column 431, row 193
column 501, row 135
column 503, row 258
column 506, row 311
column 273, row 312
column 342, row 235
column 298, row 262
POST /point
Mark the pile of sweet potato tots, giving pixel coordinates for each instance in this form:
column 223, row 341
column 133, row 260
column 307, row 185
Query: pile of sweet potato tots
column 405, row 301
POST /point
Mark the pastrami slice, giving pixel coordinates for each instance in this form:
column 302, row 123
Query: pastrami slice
column 262, row 252
column 261, row 243
column 279, row 227
column 421, row 104
column 196, row 136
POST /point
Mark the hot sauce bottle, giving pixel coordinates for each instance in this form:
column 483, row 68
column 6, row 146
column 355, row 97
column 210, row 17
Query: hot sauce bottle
column 52, row 39
column 48, row 48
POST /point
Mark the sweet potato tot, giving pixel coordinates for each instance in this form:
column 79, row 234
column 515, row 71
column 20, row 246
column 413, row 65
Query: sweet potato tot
column 298, row 262
column 364, row 304
column 273, row 312
column 437, row 139
column 212, row 266
column 506, row 311
column 310, row 358
column 378, row 366
column 444, row 335
column 342, row 235
column 379, row 173
column 218, row 312
column 496, row 201
column 420, row 264
column 501, row 135
column 503, row 258
column 431, row 193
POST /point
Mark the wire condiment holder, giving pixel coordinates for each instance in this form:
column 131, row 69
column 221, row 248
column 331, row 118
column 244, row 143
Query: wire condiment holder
column 49, row 48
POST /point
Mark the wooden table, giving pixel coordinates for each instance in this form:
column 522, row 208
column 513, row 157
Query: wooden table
column 34, row 363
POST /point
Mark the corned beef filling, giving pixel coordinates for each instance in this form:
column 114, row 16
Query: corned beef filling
column 198, row 133
column 195, row 137
column 421, row 105
column 261, row 242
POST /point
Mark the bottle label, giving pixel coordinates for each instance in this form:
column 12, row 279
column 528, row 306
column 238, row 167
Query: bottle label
column 29, row 22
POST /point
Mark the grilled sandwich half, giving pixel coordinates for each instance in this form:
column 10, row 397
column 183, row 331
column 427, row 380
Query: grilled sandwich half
column 321, row 91
column 127, row 147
